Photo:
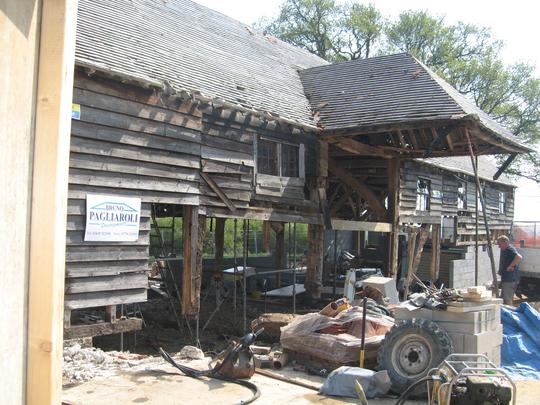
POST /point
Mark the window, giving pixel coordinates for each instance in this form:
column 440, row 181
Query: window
column 502, row 202
column 289, row 160
column 462, row 196
column 423, row 189
column 267, row 157
column 278, row 159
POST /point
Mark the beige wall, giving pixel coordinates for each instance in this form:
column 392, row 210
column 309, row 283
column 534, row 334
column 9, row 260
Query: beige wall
column 18, row 44
column 37, row 42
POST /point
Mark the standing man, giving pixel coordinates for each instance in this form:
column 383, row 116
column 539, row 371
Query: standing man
column 508, row 269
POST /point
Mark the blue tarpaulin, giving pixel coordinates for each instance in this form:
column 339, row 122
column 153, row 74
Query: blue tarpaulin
column 520, row 352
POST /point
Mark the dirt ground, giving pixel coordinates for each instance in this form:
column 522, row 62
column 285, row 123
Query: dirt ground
column 161, row 384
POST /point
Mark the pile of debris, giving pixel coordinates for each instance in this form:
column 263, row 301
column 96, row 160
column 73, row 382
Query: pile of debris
column 85, row 363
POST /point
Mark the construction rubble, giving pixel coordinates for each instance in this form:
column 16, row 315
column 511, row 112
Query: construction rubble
column 370, row 346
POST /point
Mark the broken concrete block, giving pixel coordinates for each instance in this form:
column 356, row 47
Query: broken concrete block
column 386, row 285
column 191, row 352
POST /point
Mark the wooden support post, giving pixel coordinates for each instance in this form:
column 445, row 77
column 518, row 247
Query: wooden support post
column 484, row 212
column 393, row 211
column 315, row 261
column 193, row 232
column 219, row 241
column 280, row 258
column 110, row 313
column 415, row 249
column 266, row 237
column 51, row 123
column 435, row 252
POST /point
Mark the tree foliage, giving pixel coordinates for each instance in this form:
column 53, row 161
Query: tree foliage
column 467, row 56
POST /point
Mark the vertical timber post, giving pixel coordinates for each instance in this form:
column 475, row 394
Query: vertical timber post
column 484, row 214
column 393, row 209
column 194, row 227
column 219, row 241
column 266, row 237
column 435, row 252
column 315, row 260
column 54, row 24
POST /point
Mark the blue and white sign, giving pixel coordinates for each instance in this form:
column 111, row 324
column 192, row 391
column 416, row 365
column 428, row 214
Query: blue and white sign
column 112, row 218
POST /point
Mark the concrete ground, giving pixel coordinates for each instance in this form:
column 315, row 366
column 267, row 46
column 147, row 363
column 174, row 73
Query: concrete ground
column 164, row 386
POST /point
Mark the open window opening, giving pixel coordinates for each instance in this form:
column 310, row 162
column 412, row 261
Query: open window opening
column 423, row 192
column 502, row 202
column 462, row 196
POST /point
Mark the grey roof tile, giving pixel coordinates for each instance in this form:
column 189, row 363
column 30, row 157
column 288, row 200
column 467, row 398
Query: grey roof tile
column 388, row 90
column 486, row 167
column 197, row 49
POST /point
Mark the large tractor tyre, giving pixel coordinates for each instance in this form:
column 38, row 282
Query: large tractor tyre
column 410, row 349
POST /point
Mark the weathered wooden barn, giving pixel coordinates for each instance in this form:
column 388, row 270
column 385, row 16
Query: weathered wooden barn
column 179, row 105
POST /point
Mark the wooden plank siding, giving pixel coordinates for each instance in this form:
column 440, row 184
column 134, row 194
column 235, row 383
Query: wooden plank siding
column 127, row 142
column 444, row 201
column 137, row 142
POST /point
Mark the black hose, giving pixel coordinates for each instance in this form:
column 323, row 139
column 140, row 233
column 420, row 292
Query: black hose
column 401, row 400
column 213, row 373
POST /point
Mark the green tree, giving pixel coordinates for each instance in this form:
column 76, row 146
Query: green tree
column 308, row 24
column 361, row 28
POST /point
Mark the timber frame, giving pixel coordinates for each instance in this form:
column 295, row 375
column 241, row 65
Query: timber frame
column 148, row 130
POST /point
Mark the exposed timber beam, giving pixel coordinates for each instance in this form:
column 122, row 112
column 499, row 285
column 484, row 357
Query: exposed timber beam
column 437, row 140
column 504, row 166
column 359, row 148
column 341, row 202
column 345, row 225
column 363, row 190
column 218, row 191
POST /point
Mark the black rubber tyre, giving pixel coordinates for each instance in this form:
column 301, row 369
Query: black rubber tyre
column 410, row 349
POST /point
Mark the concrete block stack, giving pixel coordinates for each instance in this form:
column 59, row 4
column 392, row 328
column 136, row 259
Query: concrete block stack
column 473, row 327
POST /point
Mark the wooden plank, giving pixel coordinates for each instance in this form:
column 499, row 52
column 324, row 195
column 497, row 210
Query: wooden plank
column 89, row 253
column 103, row 298
column 134, row 108
column 127, row 91
column 79, row 191
column 266, row 236
column 358, row 148
column 143, row 154
column 213, row 166
column 435, row 252
column 335, row 208
column 105, row 268
column 266, row 214
column 110, row 313
column 126, row 281
column 280, row 258
column 131, row 181
column 226, row 156
column 346, row 225
column 48, row 29
column 315, row 261
column 118, row 165
column 172, row 140
column 393, row 211
column 218, row 191
column 103, row 328
column 193, row 228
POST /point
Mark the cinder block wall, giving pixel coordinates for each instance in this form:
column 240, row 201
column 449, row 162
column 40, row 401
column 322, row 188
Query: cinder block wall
column 461, row 271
